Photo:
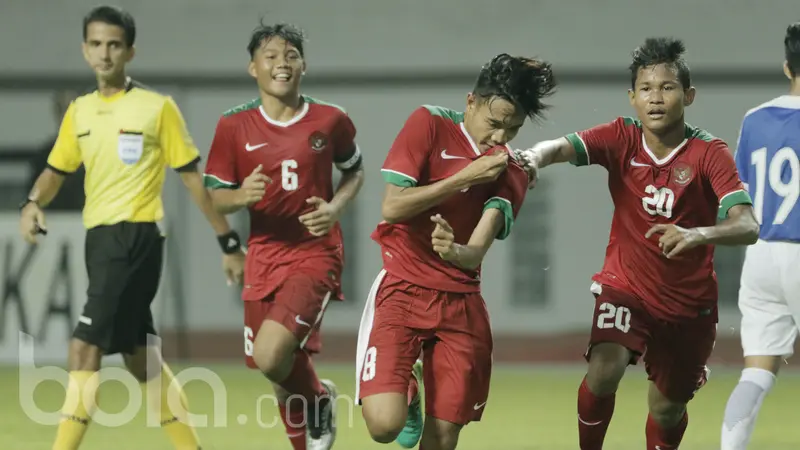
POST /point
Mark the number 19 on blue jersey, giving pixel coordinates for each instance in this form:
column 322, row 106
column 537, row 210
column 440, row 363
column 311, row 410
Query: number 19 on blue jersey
column 768, row 160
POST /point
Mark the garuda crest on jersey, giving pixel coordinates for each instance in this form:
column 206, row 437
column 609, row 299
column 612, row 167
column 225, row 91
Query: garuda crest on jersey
column 681, row 174
column 317, row 141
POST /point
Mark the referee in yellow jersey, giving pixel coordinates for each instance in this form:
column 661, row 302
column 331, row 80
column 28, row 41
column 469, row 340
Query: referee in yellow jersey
column 125, row 135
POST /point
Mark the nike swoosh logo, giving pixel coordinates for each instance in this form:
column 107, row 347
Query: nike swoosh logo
column 446, row 156
column 250, row 148
column 478, row 406
column 301, row 321
column 638, row 164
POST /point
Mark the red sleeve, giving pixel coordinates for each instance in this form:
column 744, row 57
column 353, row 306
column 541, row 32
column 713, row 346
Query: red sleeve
column 409, row 153
column 601, row 144
column 509, row 196
column 221, row 167
column 346, row 154
column 719, row 168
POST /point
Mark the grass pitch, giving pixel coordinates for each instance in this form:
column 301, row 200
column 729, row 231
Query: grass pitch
column 529, row 408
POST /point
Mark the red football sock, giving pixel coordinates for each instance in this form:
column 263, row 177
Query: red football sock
column 293, row 418
column 594, row 415
column 303, row 379
column 413, row 389
column 665, row 439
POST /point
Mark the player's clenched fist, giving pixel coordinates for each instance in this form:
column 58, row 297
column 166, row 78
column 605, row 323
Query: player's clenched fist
column 253, row 187
column 530, row 162
column 485, row 169
column 443, row 239
column 320, row 221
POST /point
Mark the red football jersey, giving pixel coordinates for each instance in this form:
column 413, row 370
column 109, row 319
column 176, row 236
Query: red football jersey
column 692, row 186
column 432, row 146
column 298, row 156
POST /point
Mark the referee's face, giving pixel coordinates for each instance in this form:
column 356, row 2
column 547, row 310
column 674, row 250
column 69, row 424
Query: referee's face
column 278, row 67
column 106, row 51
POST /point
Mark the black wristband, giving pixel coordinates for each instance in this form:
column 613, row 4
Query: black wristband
column 25, row 203
column 230, row 242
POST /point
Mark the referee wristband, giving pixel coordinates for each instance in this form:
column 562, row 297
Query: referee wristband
column 25, row 203
column 230, row 242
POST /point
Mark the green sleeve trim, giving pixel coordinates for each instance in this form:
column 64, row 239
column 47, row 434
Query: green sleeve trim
column 729, row 201
column 212, row 182
column 582, row 155
column 397, row 178
column 508, row 214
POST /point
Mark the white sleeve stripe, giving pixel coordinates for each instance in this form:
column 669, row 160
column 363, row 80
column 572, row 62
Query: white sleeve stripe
column 352, row 161
column 400, row 173
column 588, row 158
column 498, row 198
column 229, row 183
column 722, row 200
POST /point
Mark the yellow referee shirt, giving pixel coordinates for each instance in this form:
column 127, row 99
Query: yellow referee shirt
column 125, row 141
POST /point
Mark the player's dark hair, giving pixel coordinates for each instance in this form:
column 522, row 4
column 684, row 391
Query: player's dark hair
column 791, row 44
column 661, row 50
column 525, row 82
column 285, row 31
column 112, row 15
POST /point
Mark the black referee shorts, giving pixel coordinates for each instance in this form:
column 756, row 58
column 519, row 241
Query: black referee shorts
column 124, row 266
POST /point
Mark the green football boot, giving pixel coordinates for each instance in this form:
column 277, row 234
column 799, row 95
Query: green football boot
column 412, row 432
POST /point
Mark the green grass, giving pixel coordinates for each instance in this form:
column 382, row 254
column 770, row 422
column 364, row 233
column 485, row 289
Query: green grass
column 529, row 408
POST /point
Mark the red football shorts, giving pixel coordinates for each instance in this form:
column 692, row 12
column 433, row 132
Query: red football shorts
column 451, row 330
column 298, row 303
column 675, row 354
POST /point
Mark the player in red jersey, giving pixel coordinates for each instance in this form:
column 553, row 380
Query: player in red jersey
column 274, row 156
column 657, row 292
column 451, row 190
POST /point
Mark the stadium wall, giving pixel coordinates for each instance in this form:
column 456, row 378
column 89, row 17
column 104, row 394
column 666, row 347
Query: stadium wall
column 380, row 69
column 210, row 36
column 194, row 291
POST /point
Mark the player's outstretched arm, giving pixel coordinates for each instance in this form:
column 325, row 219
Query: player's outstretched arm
column 401, row 203
column 550, row 152
column 468, row 256
column 544, row 154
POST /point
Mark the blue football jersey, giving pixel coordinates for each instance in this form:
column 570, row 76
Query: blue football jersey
column 768, row 160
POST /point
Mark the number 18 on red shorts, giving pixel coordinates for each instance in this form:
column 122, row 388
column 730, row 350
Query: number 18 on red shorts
column 450, row 329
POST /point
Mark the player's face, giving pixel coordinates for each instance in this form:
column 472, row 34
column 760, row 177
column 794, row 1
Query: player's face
column 659, row 98
column 105, row 50
column 492, row 121
column 277, row 67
